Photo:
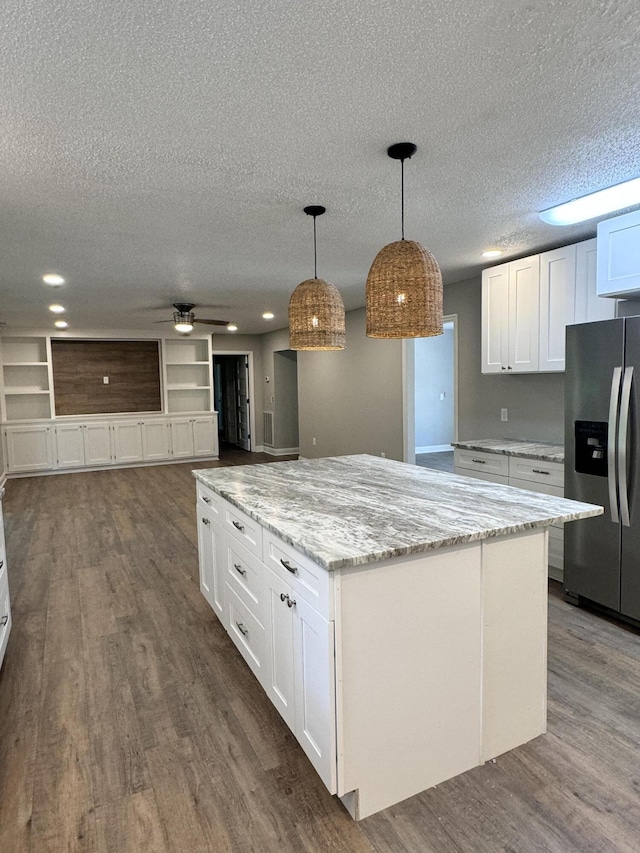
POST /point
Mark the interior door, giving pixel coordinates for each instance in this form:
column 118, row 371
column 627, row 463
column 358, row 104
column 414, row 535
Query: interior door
column 242, row 403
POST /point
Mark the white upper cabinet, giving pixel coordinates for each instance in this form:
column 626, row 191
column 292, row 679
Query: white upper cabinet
column 495, row 319
column 510, row 317
column 619, row 256
column 557, row 304
column 589, row 306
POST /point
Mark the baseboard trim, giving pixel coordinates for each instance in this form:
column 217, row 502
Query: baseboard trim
column 281, row 451
column 434, row 448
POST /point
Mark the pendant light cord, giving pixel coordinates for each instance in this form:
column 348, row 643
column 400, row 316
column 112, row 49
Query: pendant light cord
column 402, row 192
column 315, row 250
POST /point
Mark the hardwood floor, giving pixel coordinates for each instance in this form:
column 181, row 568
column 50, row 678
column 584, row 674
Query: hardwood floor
column 129, row 722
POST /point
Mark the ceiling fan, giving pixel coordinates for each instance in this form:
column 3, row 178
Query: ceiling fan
column 183, row 318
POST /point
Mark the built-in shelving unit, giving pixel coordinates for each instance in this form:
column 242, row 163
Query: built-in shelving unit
column 26, row 378
column 188, row 379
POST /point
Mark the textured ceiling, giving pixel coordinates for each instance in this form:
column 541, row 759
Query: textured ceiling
column 155, row 151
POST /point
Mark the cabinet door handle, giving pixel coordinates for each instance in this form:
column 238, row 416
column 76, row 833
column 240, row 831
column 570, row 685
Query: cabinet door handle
column 242, row 629
column 540, row 471
column 4, row 620
column 206, row 499
column 289, row 567
column 238, row 526
column 239, row 569
column 206, row 521
column 480, row 461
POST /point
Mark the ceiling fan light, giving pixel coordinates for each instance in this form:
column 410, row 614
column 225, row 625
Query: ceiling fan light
column 404, row 292
column 183, row 327
column 316, row 316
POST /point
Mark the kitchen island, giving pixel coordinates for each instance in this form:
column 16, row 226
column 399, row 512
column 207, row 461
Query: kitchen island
column 394, row 615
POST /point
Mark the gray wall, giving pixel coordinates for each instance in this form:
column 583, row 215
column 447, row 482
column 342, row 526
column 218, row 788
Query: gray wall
column 351, row 400
column 535, row 401
column 285, row 381
column 433, row 368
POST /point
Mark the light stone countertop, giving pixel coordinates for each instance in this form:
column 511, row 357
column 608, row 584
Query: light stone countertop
column 351, row 510
column 515, row 447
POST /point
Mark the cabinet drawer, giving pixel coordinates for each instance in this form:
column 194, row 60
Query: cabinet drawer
column 482, row 475
column 245, row 575
column 209, row 499
column 247, row 633
column 304, row 576
column 5, row 612
column 245, row 530
column 483, row 463
column 537, row 471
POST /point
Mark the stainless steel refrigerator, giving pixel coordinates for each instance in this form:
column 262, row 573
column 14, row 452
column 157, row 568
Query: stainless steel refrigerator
column 602, row 462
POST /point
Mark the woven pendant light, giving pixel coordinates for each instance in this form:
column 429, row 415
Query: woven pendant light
column 404, row 285
column 316, row 310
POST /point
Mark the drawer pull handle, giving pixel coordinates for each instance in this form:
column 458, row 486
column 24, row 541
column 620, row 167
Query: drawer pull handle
column 206, row 499
column 289, row 567
column 239, row 569
column 244, row 631
column 206, row 521
column 480, row 461
column 540, row 471
column 4, row 620
column 238, row 526
column 291, row 602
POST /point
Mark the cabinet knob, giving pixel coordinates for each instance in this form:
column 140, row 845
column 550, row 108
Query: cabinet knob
column 291, row 602
column 503, row 367
column 289, row 567
column 509, row 368
column 1, row 563
column 206, row 499
column 239, row 569
column 238, row 526
column 242, row 629
column 4, row 620
column 206, row 521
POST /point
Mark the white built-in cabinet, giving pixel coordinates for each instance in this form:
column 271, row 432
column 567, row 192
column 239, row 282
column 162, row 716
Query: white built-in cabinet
column 527, row 305
column 36, row 440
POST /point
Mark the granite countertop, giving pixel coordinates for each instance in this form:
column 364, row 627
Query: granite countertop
column 516, row 447
column 351, row 510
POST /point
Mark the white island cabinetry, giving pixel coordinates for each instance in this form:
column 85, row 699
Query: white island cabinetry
column 5, row 604
column 391, row 649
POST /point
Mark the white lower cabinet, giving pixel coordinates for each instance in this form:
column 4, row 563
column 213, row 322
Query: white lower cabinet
column 156, row 440
column 192, row 437
column 78, row 445
column 127, row 441
column 534, row 475
column 29, row 447
column 210, row 550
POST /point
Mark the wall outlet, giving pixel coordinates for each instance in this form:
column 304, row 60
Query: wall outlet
column 313, row 441
column 105, row 380
column 384, row 455
column 504, row 414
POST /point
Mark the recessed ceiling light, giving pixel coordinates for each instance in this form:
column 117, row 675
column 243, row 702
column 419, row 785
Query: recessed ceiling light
column 61, row 324
column 232, row 327
column 594, row 204
column 268, row 315
column 57, row 309
column 53, row 279
column 492, row 253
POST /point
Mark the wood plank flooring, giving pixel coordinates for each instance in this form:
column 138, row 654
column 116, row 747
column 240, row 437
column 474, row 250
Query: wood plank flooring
column 129, row 722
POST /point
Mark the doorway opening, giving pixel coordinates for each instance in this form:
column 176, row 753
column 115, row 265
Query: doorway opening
column 431, row 392
column 232, row 383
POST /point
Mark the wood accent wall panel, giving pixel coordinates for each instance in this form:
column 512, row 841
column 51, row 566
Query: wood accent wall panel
column 133, row 368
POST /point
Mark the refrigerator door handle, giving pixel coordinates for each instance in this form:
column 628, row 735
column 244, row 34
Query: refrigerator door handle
column 623, row 429
column 616, row 381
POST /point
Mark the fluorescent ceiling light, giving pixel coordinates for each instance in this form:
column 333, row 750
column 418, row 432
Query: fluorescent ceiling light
column 52, row 278
column 594, row 204
column 61, row 324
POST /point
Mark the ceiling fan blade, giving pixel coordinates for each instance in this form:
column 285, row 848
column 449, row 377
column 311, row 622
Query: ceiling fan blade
column 212, row 322
column 163, row 321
